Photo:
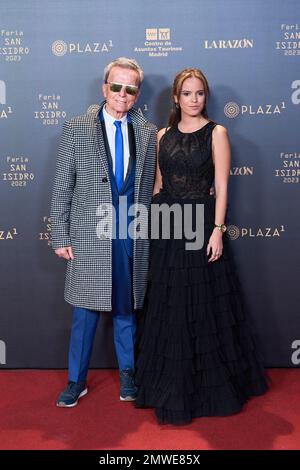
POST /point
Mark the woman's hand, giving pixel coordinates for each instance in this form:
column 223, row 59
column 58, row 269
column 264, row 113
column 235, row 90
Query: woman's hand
column 215, row 245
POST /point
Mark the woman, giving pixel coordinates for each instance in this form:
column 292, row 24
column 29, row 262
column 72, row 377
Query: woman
column 196, row 355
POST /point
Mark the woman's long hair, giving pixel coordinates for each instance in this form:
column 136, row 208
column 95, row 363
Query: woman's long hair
column 175, row 115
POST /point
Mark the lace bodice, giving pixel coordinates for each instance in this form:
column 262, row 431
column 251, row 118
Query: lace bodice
column 185, row 161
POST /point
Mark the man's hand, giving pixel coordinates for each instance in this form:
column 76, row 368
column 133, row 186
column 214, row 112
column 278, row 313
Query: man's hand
column 66, row 252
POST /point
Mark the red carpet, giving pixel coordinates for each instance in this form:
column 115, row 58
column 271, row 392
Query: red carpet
column 30, row 420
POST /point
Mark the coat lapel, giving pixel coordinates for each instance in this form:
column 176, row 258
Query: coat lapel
column 142, row 134
column 100, row 143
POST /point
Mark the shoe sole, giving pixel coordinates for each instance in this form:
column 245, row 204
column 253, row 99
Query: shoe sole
column 127, row 398
column 61, row 404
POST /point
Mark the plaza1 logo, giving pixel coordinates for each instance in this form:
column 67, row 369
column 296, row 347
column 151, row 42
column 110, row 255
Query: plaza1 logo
column 158, row 43
column 45, row 234
column 295, row 358
column 12, row 48
column 143, row 109
column 234, row 232
column 61, row 48
column 289, row 43
column 8, row 234
column 5, row 111
column 296, row 94
column 17, row 171
column 290, row 167
column 233, row 109
column 2, row 352
column 49, row 112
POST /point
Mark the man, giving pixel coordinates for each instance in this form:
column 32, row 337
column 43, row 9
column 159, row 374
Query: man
column 103, row 155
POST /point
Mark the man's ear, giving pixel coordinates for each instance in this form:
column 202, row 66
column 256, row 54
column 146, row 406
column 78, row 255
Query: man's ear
column 104, row 89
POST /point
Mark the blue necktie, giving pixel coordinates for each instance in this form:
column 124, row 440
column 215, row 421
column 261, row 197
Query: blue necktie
column 119, row 148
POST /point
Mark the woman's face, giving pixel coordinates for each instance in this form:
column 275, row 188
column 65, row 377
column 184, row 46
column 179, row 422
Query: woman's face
column 192, row 97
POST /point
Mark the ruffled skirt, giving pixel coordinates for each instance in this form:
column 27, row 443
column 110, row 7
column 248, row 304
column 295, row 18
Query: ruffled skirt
column 196, row 355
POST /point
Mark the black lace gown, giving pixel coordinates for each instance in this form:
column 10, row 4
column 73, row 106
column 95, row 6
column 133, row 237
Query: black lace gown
column 195, row 353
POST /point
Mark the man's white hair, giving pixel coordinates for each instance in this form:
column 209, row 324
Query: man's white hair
column 124, row 63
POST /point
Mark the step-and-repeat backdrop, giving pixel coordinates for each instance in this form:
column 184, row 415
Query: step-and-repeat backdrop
column 52, row 55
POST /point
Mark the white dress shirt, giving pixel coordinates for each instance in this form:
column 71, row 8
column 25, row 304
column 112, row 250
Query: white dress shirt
column 111, row 132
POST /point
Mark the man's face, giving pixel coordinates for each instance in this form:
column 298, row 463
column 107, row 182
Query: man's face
column 118, row 103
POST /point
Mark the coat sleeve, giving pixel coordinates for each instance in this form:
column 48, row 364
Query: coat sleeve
column 63, row 188
column 153, row 149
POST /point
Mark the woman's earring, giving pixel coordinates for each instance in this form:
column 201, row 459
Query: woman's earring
column 176, row 105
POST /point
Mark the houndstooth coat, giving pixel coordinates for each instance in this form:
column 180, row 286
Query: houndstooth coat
column 81, row 184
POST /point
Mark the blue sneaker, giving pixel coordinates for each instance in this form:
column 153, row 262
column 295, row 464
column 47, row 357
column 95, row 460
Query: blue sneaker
column 128, row 389
column 70, row 396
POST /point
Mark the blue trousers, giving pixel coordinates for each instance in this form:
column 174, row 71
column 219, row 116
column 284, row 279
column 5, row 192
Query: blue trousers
column 85, row 321
column 82, row 338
